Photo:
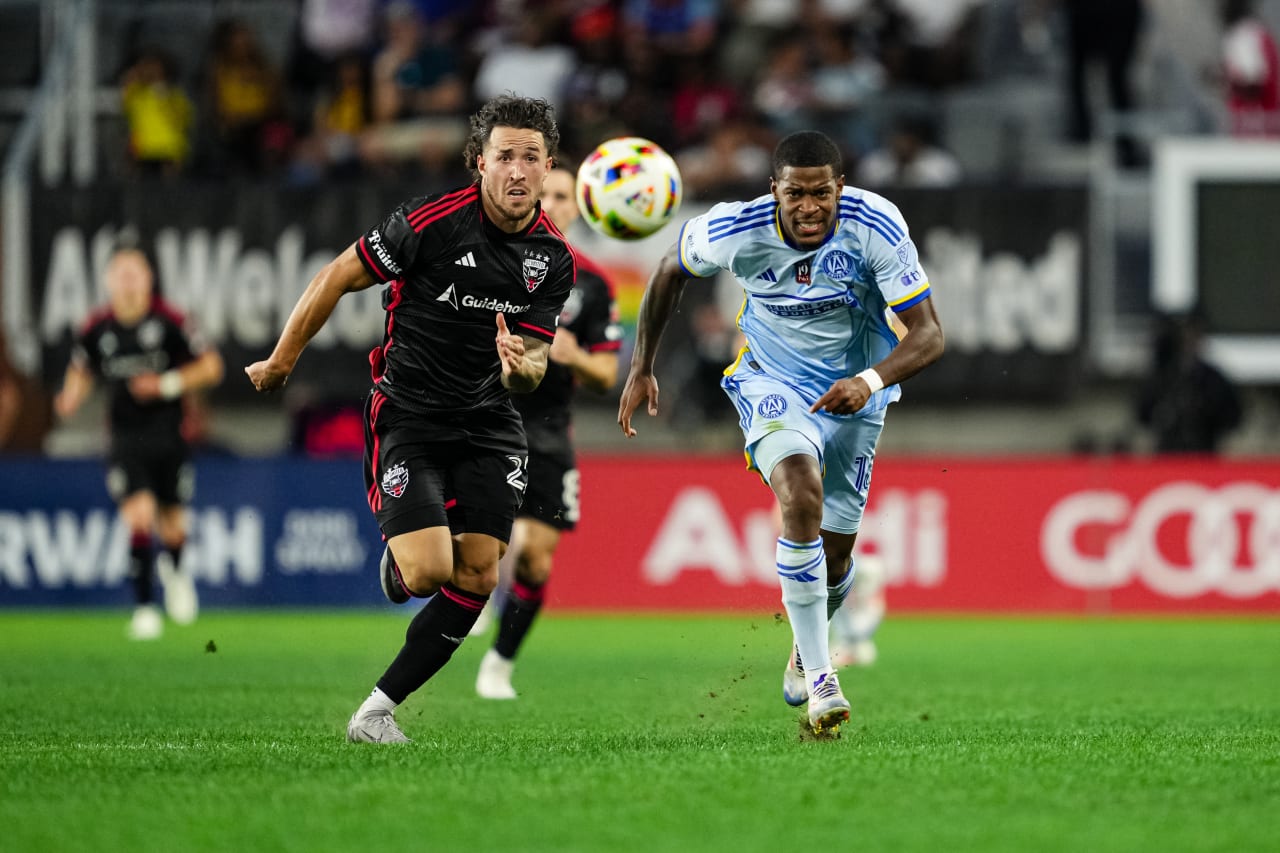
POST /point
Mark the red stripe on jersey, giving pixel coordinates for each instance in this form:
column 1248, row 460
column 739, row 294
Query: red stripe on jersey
column 362, row 245
column 605, row 346
column 441, row 214
column 551, row 333
column 545, row 221
column 441, row 211
column 446, row 199
column 378, row 360
column 375, row 495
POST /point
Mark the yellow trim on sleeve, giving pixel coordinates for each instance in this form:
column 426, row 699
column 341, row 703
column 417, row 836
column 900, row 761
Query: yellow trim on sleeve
column 912, row 295
column 680, row 253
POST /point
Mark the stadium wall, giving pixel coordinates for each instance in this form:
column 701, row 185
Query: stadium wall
column 696, row 533
column 1010, row 287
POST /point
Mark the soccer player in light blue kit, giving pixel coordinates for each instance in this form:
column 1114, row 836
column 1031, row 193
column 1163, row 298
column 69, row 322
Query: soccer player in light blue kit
column 823, row 265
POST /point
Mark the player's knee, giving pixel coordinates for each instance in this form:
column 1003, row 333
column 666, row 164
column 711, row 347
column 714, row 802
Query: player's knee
column 533, row 566
column 802, row 508
column 424, row 576
column 480, row 577
column 475, row 563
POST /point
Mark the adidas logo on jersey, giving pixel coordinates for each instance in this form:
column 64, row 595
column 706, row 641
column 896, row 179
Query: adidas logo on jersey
column 467, row 260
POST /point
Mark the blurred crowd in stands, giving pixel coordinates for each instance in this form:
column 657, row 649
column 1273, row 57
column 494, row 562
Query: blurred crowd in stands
column 383, row 87
column 321, row 91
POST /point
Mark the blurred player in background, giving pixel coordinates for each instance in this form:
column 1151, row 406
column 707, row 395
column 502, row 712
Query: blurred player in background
column 823, row 265
column 148, row 357
column 584, row 352
column 854, row 625
column 479, row 278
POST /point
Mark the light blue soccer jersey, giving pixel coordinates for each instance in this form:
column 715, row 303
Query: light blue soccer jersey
column 813, row 316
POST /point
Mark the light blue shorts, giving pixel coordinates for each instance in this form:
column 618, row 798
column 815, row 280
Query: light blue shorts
column 846, row 444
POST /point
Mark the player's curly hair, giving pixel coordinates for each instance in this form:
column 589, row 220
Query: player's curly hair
column 511, row 110
column 806, row 148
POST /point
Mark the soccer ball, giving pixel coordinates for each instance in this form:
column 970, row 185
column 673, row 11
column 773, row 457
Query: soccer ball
column 628, row 188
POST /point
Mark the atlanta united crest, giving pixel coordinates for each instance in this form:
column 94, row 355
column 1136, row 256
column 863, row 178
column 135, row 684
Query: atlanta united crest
column 772, row 406
column 535, row 267
column 395, row 479
column 837, row 264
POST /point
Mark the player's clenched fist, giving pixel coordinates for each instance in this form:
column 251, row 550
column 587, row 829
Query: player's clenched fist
column 265, row 376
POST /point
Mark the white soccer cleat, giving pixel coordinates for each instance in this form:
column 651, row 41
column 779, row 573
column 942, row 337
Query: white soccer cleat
column 828, row 708
column 374, row 726
column 493, row 681
column 795, row 687
column 146, row 623
column 181, row 601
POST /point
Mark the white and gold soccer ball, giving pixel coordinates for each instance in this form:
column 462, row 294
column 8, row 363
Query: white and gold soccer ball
column 628, row 188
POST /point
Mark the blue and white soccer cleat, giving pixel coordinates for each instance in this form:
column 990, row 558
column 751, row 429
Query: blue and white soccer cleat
column 828, row 708
column 392, row 583
column 375, row 726
column 795, row 687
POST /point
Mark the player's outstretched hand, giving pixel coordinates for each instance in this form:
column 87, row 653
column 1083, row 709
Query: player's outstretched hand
column 639, row 387
column 844, row 397
column 510, row 347
column 265, row 376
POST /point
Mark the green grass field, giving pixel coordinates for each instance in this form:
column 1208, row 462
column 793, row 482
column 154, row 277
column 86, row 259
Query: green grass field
column 641, row 733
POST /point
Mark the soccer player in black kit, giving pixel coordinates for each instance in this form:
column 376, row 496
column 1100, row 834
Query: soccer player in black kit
column 479, row 276
column 145, row 353
column 584, row 352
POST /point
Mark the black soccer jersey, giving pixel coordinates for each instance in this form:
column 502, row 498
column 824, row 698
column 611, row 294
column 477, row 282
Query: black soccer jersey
column 115, row 353
column 451, row 271
column 592, row 315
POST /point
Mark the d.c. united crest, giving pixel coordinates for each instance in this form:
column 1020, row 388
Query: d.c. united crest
column 535, row 267
column 395, row 479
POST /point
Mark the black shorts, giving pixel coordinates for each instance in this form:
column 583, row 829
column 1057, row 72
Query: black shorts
column 467, row 472
column 552, row 496
column 166, row 472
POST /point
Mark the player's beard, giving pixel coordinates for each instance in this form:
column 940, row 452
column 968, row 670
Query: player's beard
column 512, row 214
